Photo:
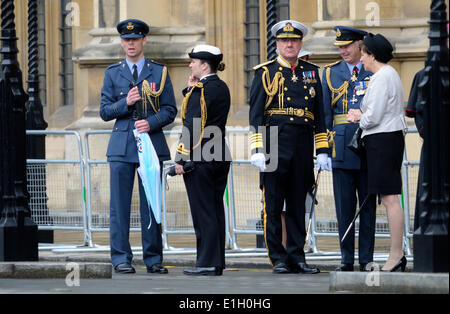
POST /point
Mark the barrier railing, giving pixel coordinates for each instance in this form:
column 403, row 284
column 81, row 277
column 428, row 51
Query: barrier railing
column 57, row 185
column 85, row 204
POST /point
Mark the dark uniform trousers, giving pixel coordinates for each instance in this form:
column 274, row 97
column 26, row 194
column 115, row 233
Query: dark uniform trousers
column 288, row 183
column 345, row 184
column 122, row 179
column 209, row 101
column 205, row 187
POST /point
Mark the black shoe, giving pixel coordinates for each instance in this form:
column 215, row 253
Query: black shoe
column 400, row 264
column 157, row 268
column 124, row 268
column 281, row 268
column 345, row 267
column 303, row 268
column 203, row 271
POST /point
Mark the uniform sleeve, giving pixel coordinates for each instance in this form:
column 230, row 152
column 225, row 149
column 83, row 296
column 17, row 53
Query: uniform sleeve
column 112, row 107
column 320, row 130
column 414, row 108
column 186, row 141
column 256, row 113
column 168, row 108
column 326, row 94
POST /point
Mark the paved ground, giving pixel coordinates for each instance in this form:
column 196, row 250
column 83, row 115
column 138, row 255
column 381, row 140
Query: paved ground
column 233, row 281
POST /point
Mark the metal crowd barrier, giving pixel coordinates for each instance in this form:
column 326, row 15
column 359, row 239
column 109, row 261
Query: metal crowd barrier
column 76, row 203
column 57, row 185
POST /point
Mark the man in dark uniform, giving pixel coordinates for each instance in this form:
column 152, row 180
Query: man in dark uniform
column 286, row 93
column 344, row 84
column 138, row 94
column 204, row 114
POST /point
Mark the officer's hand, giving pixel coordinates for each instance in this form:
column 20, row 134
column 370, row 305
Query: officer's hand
column 142, row 126
column 258, row 160
column 179, row 169
column 354, row 115
column 192, row 81
column 133, row 96
column 323, row 162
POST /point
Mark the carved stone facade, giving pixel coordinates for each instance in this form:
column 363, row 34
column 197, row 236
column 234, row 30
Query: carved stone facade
column 178, row 25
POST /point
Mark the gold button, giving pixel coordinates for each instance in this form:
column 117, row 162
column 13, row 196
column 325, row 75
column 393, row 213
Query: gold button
column 306, row 97
column 292, row 119
column 306, row 120
column 121, row 93
column 305, row 87
column 285, row 89
column 306, row 108
column 280, row 68
column 301, row 67
column 289, row 99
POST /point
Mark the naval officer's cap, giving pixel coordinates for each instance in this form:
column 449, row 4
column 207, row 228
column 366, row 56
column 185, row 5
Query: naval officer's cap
column 346, row 35
column 206, row 52
column 289, row 29
column 132, row 28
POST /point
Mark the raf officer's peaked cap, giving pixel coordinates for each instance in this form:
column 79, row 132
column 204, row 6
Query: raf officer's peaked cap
column 132, row 28
column 289, row 29
column 346, row 35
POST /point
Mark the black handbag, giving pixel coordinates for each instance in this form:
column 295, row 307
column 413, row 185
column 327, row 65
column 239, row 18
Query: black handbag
column 356, row 143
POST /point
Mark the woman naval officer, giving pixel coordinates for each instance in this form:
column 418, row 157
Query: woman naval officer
column 204, row 115
column 383, row 123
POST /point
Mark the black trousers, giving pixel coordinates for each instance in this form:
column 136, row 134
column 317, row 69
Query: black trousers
column 346, row 184
column 290, row 182
column 205, row 187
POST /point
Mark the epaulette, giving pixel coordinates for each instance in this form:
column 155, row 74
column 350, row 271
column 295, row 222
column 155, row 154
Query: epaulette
column 114, row 65
column 263, row 64
column 309, row 63
column 154, row 62
column 332, row 64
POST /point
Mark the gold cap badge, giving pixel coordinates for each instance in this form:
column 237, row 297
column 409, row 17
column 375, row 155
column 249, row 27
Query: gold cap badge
column 288, row 28
column 130, row 26
column 338, row 33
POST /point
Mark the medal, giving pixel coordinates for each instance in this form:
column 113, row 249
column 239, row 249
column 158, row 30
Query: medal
column 294, row 77
column 312, row 92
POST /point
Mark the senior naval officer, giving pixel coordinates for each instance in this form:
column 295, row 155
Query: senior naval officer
column 286, row 93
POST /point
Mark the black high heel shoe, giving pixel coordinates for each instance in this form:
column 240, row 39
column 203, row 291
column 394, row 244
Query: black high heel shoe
column 401, row 264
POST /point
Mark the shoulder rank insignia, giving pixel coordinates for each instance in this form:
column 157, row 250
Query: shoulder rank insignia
column 332, row 64
column 263, row 64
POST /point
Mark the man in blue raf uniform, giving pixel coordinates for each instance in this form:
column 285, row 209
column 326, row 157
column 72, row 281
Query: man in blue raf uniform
column 286, row 93
column 137, row 93
column 344, row 84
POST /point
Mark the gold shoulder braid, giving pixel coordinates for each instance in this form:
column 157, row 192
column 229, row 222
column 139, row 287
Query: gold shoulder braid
column 148, row 93
column 341, row 91
column 202, row 108
column 271, row 88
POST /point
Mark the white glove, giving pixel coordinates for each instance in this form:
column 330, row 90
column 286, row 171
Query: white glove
column 259, row 161
column 323, row 162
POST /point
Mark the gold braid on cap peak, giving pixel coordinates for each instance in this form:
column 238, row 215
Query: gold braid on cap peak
column 147, row 92
column 203, row 109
